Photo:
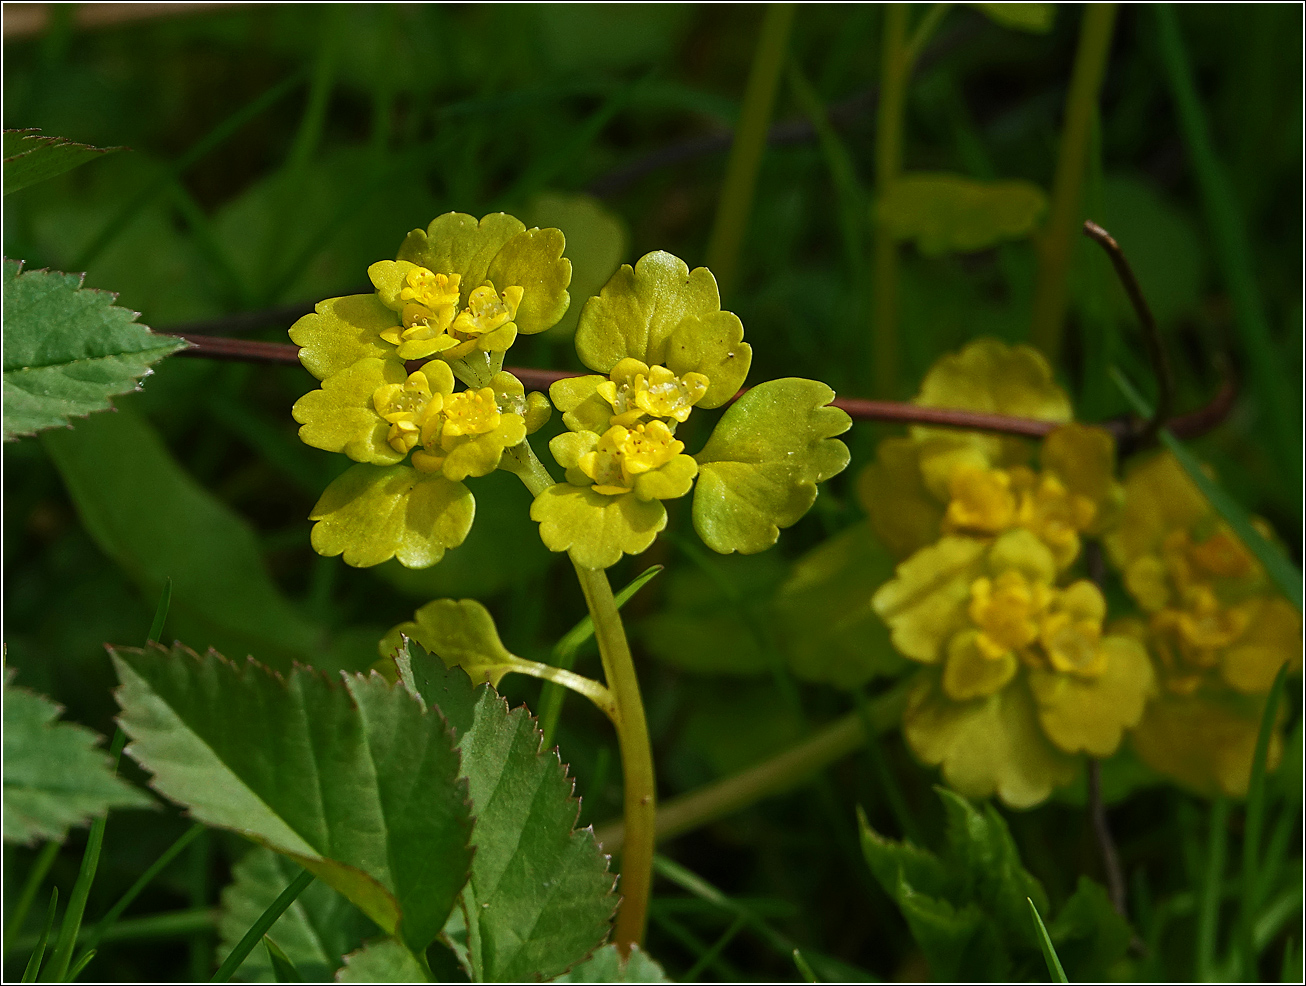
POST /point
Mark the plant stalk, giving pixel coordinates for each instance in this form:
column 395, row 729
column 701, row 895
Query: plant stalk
column 750, row 142
column 640, row 815
column 894, row 68
column 40, row 867
column 1057, row 241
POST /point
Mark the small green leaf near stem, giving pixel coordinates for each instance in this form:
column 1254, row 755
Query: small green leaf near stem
column 260, row 927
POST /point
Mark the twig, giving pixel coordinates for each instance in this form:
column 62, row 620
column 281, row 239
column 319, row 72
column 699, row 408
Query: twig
column 1151, row 336
column 891, row 412
column 1115, row 880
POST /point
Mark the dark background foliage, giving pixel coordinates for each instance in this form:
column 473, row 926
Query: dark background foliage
column 406, row 112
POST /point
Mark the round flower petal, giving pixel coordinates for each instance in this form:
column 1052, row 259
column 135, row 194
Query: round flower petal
column 674, row 479
column 970, row 673
column 1090, row 715
column 990, row 376
column 636, row 312
column 596, row 529
column 581, row 406
column 372, row 514
column 341, row 331
column 926, row 601
column 713, row 345
column 902, row 511
column 456, row 243
column 986, row 746
column 340, row 416
column 1272, row 638
column 533, row 260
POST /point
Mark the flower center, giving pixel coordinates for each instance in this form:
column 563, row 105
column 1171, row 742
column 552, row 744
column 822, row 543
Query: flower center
column 486, row 311
column 635, row 390
column 981, row 500
column 406, row 405
column 1006, row 610
column 624, row 453
column 461, row 416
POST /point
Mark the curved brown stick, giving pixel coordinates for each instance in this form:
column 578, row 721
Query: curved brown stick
column 1151, row 335
column 893, row 412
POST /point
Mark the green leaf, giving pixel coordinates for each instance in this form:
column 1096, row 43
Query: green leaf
column 283, row 969
column 596, row 243
column 153, row 519
column 662, row 313
column 463, row 634
column 1090, row 937
column 68, row 349
column 30, row 158
column 373, row 513
column 823, row 611
column 540, row 897
column 54, row 777
column 1057, row 973
column 384, row 961
column 605, row 966
column 594, row 528
column 947, row 213
column 1035, row 18
column 313, row 933
column 358, row 784
column 759, row 470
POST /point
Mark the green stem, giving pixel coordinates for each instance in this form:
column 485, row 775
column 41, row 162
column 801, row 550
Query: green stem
column 38, row 951
column 57, row 971
column 1208, row 917
column 736, row 200
column 773, row 776
column 894, row 68
column 1057, row 241
column 579, row 684
column 170, row 924
column 40, row 867
column 640, row 814
column 259, row 928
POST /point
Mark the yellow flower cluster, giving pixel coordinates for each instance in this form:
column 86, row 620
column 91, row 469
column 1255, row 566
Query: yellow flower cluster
column 1020, row 680
column 1023, row 677
column 1217, row 629
column 431, row 321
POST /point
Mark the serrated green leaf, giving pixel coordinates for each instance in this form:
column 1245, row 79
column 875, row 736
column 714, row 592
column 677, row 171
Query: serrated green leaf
column 947, row 213
column 384, row 961
column 54, row 777
column 68, row 349
column 30, row 157
column 1035, row 18
column 540, row 897
column 759, row 470
column 605, row 966
column 823, row 611
column 358, row 784
column 314, row 932
column 152, row 518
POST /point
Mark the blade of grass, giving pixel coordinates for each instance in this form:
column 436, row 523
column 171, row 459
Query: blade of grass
column 260, row 927
column 1057, row 973
column 80, row 964
column 894, row 69
column 57, row 970
column 169, row 924
column 96, row 934
column 804, row 969
column 161, row 612
column 214, row 139
column 40, row 867
column 1285, row 576
column 566, row 649
column 1256, row 797
column 1208, row 913
column 736, row 201
column 696, row 946
column 1234, row 254
column 282, row 967
column 708, row 957
column 38, row 953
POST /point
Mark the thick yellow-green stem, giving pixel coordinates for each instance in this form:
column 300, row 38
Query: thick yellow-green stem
column 640, row 814
column 1061, row 231
column 750, row 141
column 894, row 67
column 627, row 714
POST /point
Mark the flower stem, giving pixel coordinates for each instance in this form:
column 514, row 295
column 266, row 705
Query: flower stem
column 750, row 141
column 579, row 684
column 1058, row 239
column 640, row 813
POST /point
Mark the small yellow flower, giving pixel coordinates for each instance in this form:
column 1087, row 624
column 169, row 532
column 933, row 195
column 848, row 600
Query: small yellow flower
column 1215, row 626
column 1028, row 678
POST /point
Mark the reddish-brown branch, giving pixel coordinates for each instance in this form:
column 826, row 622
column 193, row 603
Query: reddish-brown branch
column 894, row 412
